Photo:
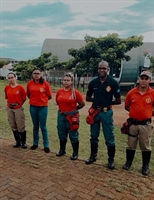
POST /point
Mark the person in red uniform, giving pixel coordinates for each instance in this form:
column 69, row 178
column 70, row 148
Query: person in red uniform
column 140, row 102
column 69, row 101
column 39, row 92
column 16, row 96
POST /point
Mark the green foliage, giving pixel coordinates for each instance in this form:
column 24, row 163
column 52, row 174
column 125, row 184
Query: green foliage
column 25, row 68
column 110, row 48
column 45, row 62
column 3, row 62
column 151, row 60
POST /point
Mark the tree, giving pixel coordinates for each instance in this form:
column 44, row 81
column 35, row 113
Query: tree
column 25, row 68
column 110, row 48
column 3, row 62
column 151, row 58
column 152, row 61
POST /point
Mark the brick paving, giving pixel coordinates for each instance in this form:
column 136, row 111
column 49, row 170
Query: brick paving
column 34, row 175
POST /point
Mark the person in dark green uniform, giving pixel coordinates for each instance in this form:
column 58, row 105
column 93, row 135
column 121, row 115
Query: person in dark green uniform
column 101, row 91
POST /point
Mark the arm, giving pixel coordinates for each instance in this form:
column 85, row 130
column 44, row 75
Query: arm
column 6, row 97
column 49, row 90
column 89, row 99
column 127, row 108
column 90, row 93
column 27, row 90
column 23, row 92
column 80, row 105
column 117, row 101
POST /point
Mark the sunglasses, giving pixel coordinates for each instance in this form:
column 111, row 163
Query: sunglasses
column 36, row 73
column 102, row 68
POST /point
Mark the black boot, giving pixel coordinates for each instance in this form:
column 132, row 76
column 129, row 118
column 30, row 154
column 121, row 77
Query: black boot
column 75, row 150
column 146, row 155
column 23, row 139
column 111, row 154
column 129, row 159
column 62, row 148
column 93, row 155
column 17, row 139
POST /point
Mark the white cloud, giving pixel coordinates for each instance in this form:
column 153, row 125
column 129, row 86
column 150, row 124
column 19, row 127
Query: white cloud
column 3, row 45
column 38, row 35
column 95, row 18
column 96, row 7
column 13, row 5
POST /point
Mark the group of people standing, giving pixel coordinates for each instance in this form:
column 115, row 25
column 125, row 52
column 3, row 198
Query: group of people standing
column 103, row 92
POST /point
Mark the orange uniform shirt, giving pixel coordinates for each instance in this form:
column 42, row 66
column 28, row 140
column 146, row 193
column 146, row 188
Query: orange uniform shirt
column 66, row 101
column 15, row 95
column 38, row 93
column 141, row 106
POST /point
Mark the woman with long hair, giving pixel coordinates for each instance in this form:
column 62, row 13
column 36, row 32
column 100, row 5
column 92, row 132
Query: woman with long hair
column 69, row 101
column 39, row 92
column 16, row 96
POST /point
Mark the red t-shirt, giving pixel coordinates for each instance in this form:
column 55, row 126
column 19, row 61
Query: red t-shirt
column 141, row 106
column 38, row 93
column 15, row 95
column 66, row 100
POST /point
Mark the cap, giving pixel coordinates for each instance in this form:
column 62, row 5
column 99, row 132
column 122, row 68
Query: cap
column 146, row 73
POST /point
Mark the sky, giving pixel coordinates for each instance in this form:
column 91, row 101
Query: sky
column 25, row 24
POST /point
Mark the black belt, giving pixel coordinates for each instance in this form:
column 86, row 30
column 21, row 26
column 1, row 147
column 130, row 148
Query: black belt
column 140, row 122
column 12, row 105
column 103, row 109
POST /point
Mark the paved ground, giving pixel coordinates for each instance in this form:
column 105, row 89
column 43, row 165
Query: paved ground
column 34, row 175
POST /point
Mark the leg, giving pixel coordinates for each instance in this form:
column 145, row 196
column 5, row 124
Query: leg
column 20, row 121
column 93, row 155
column 145, row 135
column 12, row 123
column 111, row 154
column 62, row 148
column 23, row 139
column 108, row 130
column 95, row 130
column 62, row 133
column 131, row 146
column 17, row 139
column 129, row 159
column 74, row 138
column 146, row 155
column 43, row 112
column 11, row 119
column 35, row 120
column 75, row 150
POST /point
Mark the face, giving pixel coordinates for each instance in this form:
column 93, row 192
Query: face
column 144, row 81
column 103, row 70
column 67, row 81
column 11, row 78
column 36, row 75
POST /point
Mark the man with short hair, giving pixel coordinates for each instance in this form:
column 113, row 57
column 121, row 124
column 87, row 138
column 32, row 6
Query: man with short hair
column 101, row 91
column 140, row 102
